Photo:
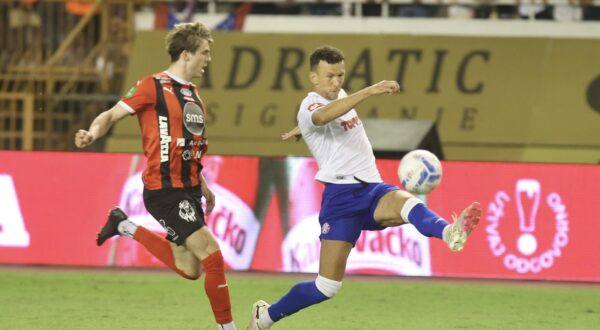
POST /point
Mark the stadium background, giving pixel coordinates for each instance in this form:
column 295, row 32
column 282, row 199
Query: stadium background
column 516, row 104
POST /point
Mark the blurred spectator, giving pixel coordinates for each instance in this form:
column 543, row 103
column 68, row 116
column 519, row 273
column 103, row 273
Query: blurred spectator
column 415, row 10
column 538, row 12
column 79, row 7
column 461, row 11
column 325, row 9
column 590, row 13
column 24, row 24
column 370, row 8
column 568, row 13
column 91, row 33
column 506, row 12
column 496, row 12
column 24, row 15
column 286, row 7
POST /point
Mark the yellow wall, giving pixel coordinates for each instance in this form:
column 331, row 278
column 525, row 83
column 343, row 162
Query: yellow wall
column 506, row 99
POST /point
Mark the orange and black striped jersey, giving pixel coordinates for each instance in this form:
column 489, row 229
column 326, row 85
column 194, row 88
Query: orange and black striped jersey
column 171, row 116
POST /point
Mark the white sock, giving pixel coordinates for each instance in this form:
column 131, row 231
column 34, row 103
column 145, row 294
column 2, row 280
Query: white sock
column 227, row 326
column 408, row 206
column 264, row 319
column 445, row 233
column 127, row 228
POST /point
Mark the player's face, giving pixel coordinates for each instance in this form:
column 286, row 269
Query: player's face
column 328, row 79
column 198, row 61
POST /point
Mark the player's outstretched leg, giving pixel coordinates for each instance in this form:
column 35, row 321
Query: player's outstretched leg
column 455, row 235
column 258, row 308
column 111, row 227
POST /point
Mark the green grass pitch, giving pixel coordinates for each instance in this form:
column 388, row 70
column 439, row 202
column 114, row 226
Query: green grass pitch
column 67, row 298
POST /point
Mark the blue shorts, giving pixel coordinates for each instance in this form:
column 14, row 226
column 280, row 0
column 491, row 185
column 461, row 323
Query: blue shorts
column 347, row 209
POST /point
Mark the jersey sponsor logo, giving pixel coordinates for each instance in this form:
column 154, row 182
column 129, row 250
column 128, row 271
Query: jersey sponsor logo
column 526, row 256
column 193, row 118
column 165, row 139
column 12, row 224
column 350, row 123
column 131, row 92
column 181, row 142
column 315, row 106
column 186, row 211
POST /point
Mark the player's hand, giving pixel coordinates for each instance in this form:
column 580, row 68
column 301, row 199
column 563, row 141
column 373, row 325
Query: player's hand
column 293, row 133
column 288, row 135
column 83, row 138
column 210, row 199
column 385, row 87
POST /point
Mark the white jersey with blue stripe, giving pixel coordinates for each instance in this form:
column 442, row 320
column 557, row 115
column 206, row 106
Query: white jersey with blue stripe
column 341, row 147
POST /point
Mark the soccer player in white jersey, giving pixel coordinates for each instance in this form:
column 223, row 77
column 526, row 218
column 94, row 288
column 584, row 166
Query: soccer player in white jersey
column 355, row 198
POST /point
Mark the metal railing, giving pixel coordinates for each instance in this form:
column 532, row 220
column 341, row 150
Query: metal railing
column 58, row 69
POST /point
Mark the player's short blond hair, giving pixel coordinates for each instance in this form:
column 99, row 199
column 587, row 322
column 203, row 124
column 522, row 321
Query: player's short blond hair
column 186, row 36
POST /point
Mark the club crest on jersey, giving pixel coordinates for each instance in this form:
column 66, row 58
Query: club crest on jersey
column 315, row 106
column 186, row 155
column 186, row 92
column 193, row 118
column 186, row 212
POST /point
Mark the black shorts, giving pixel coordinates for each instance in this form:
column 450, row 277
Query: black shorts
column 178, row 210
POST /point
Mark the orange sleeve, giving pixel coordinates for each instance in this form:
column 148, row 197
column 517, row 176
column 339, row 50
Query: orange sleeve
column 141, row 96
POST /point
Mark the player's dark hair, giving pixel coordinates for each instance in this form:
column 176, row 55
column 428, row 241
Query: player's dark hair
column 329, row 54
column 186, row 36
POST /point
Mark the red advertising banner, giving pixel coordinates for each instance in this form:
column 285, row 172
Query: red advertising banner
column 52, row 205
column 538, row 223
column 538, row 219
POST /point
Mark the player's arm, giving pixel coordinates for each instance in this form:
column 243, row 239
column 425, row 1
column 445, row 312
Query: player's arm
column 209, row 196
column 100, row 126
column 295, row 132
column 339, row 107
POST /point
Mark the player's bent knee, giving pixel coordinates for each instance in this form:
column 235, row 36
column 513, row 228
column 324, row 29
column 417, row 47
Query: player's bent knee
column 192, row 275
column 328, row 287
column 189, row 273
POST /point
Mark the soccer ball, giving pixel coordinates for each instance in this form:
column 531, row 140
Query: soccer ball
column 420, row 171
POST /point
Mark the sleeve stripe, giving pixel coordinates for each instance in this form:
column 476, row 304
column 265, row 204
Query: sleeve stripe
column 126, row 106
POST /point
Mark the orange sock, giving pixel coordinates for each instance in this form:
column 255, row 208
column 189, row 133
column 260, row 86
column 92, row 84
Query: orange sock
column 160, row 248
column 215, row 285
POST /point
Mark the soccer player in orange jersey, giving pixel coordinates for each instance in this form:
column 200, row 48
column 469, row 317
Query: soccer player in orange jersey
column 171, row 115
